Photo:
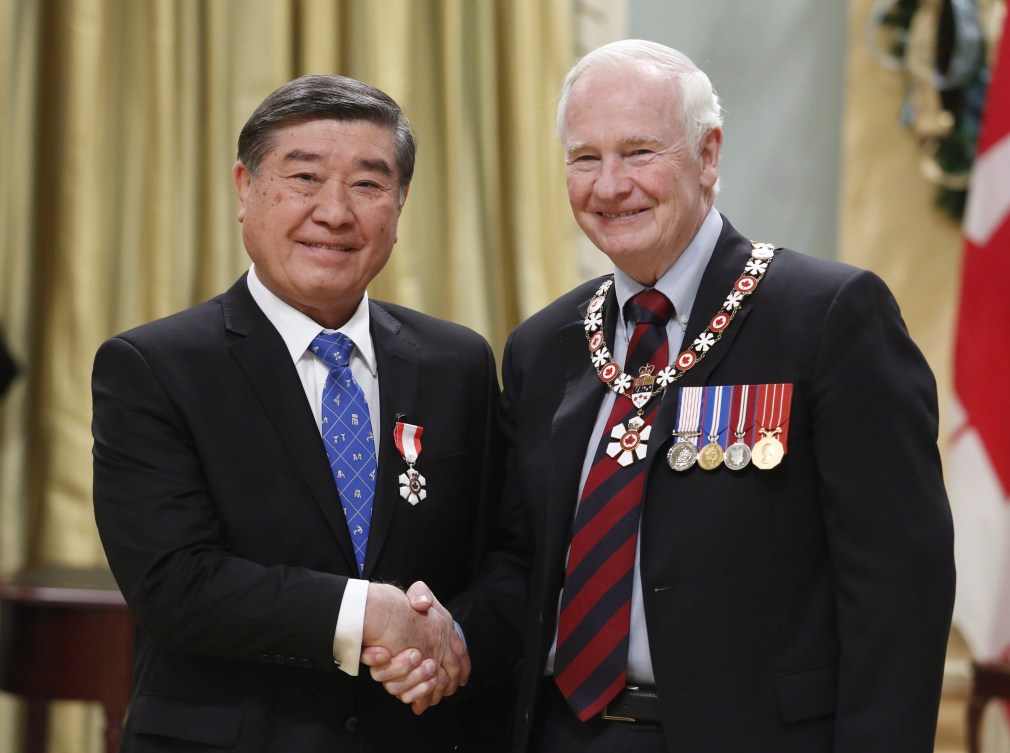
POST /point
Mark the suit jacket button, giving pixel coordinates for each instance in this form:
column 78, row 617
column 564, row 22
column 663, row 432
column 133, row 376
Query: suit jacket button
column 351, row 724
column 266, row 658
column 305, row 664
column 278, row 659
column 291, row 661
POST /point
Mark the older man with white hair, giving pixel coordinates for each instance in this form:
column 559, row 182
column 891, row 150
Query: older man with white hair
column 722, row 458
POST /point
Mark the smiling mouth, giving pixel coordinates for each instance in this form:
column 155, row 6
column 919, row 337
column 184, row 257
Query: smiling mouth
column 327, row 246
column 620, row 215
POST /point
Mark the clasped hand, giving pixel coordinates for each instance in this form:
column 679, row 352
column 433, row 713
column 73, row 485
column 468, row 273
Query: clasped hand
column 411, row 645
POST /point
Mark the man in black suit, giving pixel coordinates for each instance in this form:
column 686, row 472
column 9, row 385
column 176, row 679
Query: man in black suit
column 257, row 559
column 738, row 536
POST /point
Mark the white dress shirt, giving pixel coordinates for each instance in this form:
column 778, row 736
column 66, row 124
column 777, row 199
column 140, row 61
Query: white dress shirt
column 680, row 284
column 297, row 330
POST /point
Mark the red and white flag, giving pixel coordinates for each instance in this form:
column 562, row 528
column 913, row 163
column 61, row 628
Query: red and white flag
column 978, row 476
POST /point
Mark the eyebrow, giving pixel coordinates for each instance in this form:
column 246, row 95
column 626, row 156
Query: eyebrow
column 300, row 155
column 374, row 165
column 627, row 141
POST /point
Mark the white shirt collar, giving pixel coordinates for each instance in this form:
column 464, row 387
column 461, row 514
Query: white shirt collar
column 681, row 281
column 297, row 330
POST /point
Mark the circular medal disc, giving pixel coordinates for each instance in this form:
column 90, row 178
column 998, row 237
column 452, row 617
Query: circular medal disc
column 737, row 456
column 630, row 439
column 681, row 456
column 710, row 456
column 767, row 453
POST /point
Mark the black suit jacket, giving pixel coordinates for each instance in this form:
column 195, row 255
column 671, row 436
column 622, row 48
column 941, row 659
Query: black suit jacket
column 801, row 609
column 223, row 525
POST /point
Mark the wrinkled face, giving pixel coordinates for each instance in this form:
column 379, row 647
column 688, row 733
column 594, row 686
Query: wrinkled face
column 319, row 218
column 637, row 188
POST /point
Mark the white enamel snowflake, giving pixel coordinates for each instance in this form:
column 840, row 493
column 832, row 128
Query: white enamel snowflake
column 412, row 487
column 705, row 341
column 601, row 358
column 622, row 384
column 628, row 445
column 733, row 300
column 593, row 322
column 665, row 377
column 756, row 267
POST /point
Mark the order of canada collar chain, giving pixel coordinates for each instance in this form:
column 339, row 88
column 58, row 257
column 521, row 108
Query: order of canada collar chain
column 611, row 374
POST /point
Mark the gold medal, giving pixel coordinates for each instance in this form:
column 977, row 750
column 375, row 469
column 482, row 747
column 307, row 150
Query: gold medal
column 768, row 452
column 710, row 456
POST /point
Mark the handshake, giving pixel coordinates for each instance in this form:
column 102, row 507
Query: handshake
column 411, row 645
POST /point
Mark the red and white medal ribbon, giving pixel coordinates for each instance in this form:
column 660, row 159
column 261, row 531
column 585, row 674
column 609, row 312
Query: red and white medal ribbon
column 738, row 451
column 773, row 406
column 408, row 442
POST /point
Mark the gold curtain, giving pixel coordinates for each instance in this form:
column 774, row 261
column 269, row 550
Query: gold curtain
column 119, row 126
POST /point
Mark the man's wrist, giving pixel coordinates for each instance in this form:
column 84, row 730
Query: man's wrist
column 348, row 635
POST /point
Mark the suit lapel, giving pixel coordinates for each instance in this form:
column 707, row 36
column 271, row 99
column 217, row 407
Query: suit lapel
column 572, row 427
column 260, row 352
column 398, row 361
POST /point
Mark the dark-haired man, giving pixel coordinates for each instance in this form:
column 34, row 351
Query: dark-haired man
column 268, row 462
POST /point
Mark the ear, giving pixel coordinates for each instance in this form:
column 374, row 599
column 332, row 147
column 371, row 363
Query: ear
column 399, row 210
column 243, row 181
column 710, row 149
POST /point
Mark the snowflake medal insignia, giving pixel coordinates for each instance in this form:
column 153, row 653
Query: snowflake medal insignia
column 643, row 386
column 412, row 486
column 407, row 438
column 630, row 442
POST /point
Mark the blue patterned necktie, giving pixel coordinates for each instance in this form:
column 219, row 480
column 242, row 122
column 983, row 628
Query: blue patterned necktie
column 347, row 436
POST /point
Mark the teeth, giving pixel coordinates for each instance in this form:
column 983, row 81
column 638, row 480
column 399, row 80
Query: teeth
column 328, row 247
column 622, row 214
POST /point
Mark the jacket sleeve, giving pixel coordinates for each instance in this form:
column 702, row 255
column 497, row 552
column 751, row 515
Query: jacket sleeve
column 493, row 610
column 887, row 519
column 164, row 540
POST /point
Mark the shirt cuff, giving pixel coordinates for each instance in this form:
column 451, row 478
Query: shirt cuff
column 350, row 627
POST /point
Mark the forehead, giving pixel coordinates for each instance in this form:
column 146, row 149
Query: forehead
column 330, row 141
column 626, row 103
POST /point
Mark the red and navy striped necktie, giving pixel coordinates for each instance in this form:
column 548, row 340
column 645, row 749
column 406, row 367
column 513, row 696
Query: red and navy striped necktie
column 593, row 628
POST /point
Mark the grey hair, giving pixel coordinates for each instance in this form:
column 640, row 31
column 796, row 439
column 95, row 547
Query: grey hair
column 326, row 98
column 700, row 111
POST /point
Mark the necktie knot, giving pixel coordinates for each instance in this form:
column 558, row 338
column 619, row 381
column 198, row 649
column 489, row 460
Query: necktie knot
column 648, row 307
column 333, row 348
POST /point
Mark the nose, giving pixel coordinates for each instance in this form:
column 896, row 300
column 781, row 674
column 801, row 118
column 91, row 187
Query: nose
column 332, row 205
column 614, row 179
